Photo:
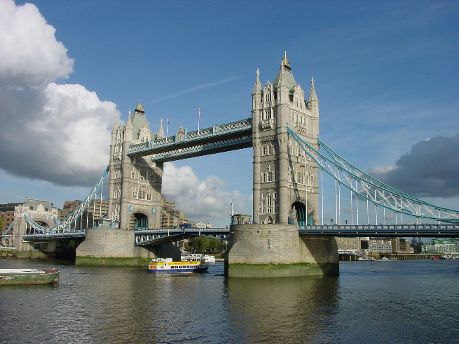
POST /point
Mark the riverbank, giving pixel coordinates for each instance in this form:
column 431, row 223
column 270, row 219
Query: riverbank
column 7, row 252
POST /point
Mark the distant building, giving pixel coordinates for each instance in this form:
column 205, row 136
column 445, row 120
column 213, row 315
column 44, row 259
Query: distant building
column 203, row 225
column 402, row 245
column 442, row 246
column 349, row 244
column 69, row 208
column 7, row 214
column 93, row 216
column 170, row 216
column 380, row 245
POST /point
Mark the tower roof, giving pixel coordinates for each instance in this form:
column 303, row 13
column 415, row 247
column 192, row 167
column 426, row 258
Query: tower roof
column 285, row 76
column 138, row 120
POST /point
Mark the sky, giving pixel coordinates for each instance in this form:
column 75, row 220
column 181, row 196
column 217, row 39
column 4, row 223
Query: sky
column 385, row 73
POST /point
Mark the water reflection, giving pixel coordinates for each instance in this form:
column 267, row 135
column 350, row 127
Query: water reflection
column 283, row 309
column 403, row 302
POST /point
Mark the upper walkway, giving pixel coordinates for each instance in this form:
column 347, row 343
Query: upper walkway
column 183, row 145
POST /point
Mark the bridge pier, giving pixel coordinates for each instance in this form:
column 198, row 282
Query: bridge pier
column 276, row 250
column 115, row 247
column 26, row 249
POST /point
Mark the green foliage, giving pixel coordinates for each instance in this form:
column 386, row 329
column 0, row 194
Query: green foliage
column 1, row 223
column 206, row 245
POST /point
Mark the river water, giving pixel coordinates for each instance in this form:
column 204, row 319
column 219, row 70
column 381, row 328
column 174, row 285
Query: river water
column 370, row 302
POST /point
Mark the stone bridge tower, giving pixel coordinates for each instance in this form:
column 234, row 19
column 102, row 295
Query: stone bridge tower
column 284, row 178
column 134, row 184
column 285, row 184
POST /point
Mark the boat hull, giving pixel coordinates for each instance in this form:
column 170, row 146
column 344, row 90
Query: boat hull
column 178, row 271
column 40, row 277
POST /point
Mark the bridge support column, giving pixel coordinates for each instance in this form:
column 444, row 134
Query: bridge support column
column 278, row 251
column 115, row 247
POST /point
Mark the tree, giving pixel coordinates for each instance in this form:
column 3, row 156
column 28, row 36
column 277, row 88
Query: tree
column 206, row 245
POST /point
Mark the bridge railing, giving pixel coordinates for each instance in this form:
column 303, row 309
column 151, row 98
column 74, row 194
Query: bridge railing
column 197, row 135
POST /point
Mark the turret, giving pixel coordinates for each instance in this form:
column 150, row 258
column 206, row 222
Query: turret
column 313, row 100
column 313, row 106
column 128, row 135
column 160, row 134
column 256, row 92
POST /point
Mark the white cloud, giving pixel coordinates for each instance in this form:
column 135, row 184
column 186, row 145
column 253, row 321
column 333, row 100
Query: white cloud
column 382, row 169
column 29, row 51
column 50, row 131
column 202, row 200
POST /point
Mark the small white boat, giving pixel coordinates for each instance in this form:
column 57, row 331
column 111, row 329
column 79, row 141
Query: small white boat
column 197, row 257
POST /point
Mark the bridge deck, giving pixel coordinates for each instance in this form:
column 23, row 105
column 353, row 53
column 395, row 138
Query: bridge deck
column 147, row 237
column 216, row 139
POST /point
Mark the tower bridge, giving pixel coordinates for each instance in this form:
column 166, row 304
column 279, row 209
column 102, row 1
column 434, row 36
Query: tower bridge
column 288, row 235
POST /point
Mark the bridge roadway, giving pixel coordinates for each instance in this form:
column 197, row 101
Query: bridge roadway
column 158, row 236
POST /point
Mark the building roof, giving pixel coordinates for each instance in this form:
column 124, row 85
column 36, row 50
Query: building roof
column 138, row 120
column 285, row 76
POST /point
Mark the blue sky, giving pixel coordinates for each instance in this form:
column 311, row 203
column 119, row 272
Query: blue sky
column 386, row 75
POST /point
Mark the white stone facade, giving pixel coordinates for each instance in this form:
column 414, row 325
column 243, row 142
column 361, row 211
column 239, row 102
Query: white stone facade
column 284, row 177
column 134, row 184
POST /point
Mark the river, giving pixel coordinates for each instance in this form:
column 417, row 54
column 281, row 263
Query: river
column 370, row 302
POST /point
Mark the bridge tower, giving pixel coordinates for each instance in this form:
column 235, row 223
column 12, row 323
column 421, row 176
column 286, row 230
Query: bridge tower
column 134, row 183
column 285, row 184
column 285, row 179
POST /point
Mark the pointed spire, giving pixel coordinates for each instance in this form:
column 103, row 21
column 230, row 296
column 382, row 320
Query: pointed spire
column 285, row 62
column 129, row 120
column 160, row 134
column 257, row 86
column 285, row 77
column 312, row 92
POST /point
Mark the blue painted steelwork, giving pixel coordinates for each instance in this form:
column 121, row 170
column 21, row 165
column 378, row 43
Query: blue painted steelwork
column 414, row 230
column 369, row 188
column 66, row 225
column 219, row 138
column 157, row 236
column 204, row 149
column 54, row 236
column 9, row 230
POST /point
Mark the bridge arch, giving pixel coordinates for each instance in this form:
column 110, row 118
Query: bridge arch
column 298, row 213
column 139, row 221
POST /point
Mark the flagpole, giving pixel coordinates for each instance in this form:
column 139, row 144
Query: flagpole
column 199, row 117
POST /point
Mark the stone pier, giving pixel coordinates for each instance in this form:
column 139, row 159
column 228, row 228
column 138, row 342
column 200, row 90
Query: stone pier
column 261, row 251
column 114, row 247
